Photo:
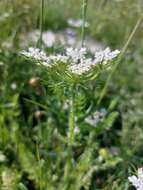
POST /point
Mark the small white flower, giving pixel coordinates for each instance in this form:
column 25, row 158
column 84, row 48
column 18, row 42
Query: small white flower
column 98, row 116
column 76, row 54
column 137, row 181
column 34, row 53
column 106, row 55
column 83, row 66
column 77, row 60
column 49, row 38
column 39, row 56
column 140, row 173
column 33, row 36
column 77, row 23
column 13, row 86
column 76, row 130
column 59, row 58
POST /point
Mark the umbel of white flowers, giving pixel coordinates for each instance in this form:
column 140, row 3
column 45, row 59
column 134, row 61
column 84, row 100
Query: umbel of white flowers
column 77, row 23
column 96, row 117
column 137, row 181
column 77, row 60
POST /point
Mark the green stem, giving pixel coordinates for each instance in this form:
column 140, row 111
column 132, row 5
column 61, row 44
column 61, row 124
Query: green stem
column 71, row 121
column 71, row 138
column 40, row 41
column 40, row 170
column 84, row 10
column 104, row 90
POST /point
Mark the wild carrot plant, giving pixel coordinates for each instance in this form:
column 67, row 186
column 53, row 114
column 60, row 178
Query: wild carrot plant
column 59, row 128
column 72, row 71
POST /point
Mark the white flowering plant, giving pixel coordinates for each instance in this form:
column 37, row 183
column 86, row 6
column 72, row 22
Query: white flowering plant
column 59, row 127
column 75, row 65
column 72, row 71
column 137, row 181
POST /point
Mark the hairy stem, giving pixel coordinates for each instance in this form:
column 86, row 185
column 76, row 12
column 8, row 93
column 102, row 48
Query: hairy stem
column 71, row 137
column 84, row 10
column 71, row 121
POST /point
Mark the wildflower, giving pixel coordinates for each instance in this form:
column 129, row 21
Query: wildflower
column 41, row 57
column 49, row 38
column 97, row 117
column 76, row 130
column 77, row 23
column 76, row 54
column 35, row 53
column 82, row 64
column 13, row 86
column 58, row 58
column 82, row 67
column 137, row 181
column 71, row 32
column 33, row 36
column 106, row 55
column 77, row 60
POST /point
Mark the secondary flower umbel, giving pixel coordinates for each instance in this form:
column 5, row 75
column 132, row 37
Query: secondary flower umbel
column 77, row 61
column 96, row 117
column 137, row 181
column 77, row 23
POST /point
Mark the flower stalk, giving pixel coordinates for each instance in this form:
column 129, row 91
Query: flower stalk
column 71, row 119
column 71, row 135
column 40, row 41
column 84, row 10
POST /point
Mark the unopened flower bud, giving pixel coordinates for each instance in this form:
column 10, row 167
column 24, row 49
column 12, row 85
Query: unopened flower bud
column 39, row 114
column 34, row 82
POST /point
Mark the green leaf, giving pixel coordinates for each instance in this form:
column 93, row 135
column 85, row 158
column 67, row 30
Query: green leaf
column 107, row 123
column 21, row 186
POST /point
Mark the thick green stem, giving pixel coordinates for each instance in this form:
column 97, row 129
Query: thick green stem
column 71, row 121
column 71, row 137
column 84, row 10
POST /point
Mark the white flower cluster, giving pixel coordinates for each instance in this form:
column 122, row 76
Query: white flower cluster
column 81, row 64
column 77, row 60
column 35, row 53
column 137, row 181
column 106, row 55
column 97, row 117
column 77, row 23
column 40, row 57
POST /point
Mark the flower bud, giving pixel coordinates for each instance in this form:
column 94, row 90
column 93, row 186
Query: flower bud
column 34, row 82
column 39, row 114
